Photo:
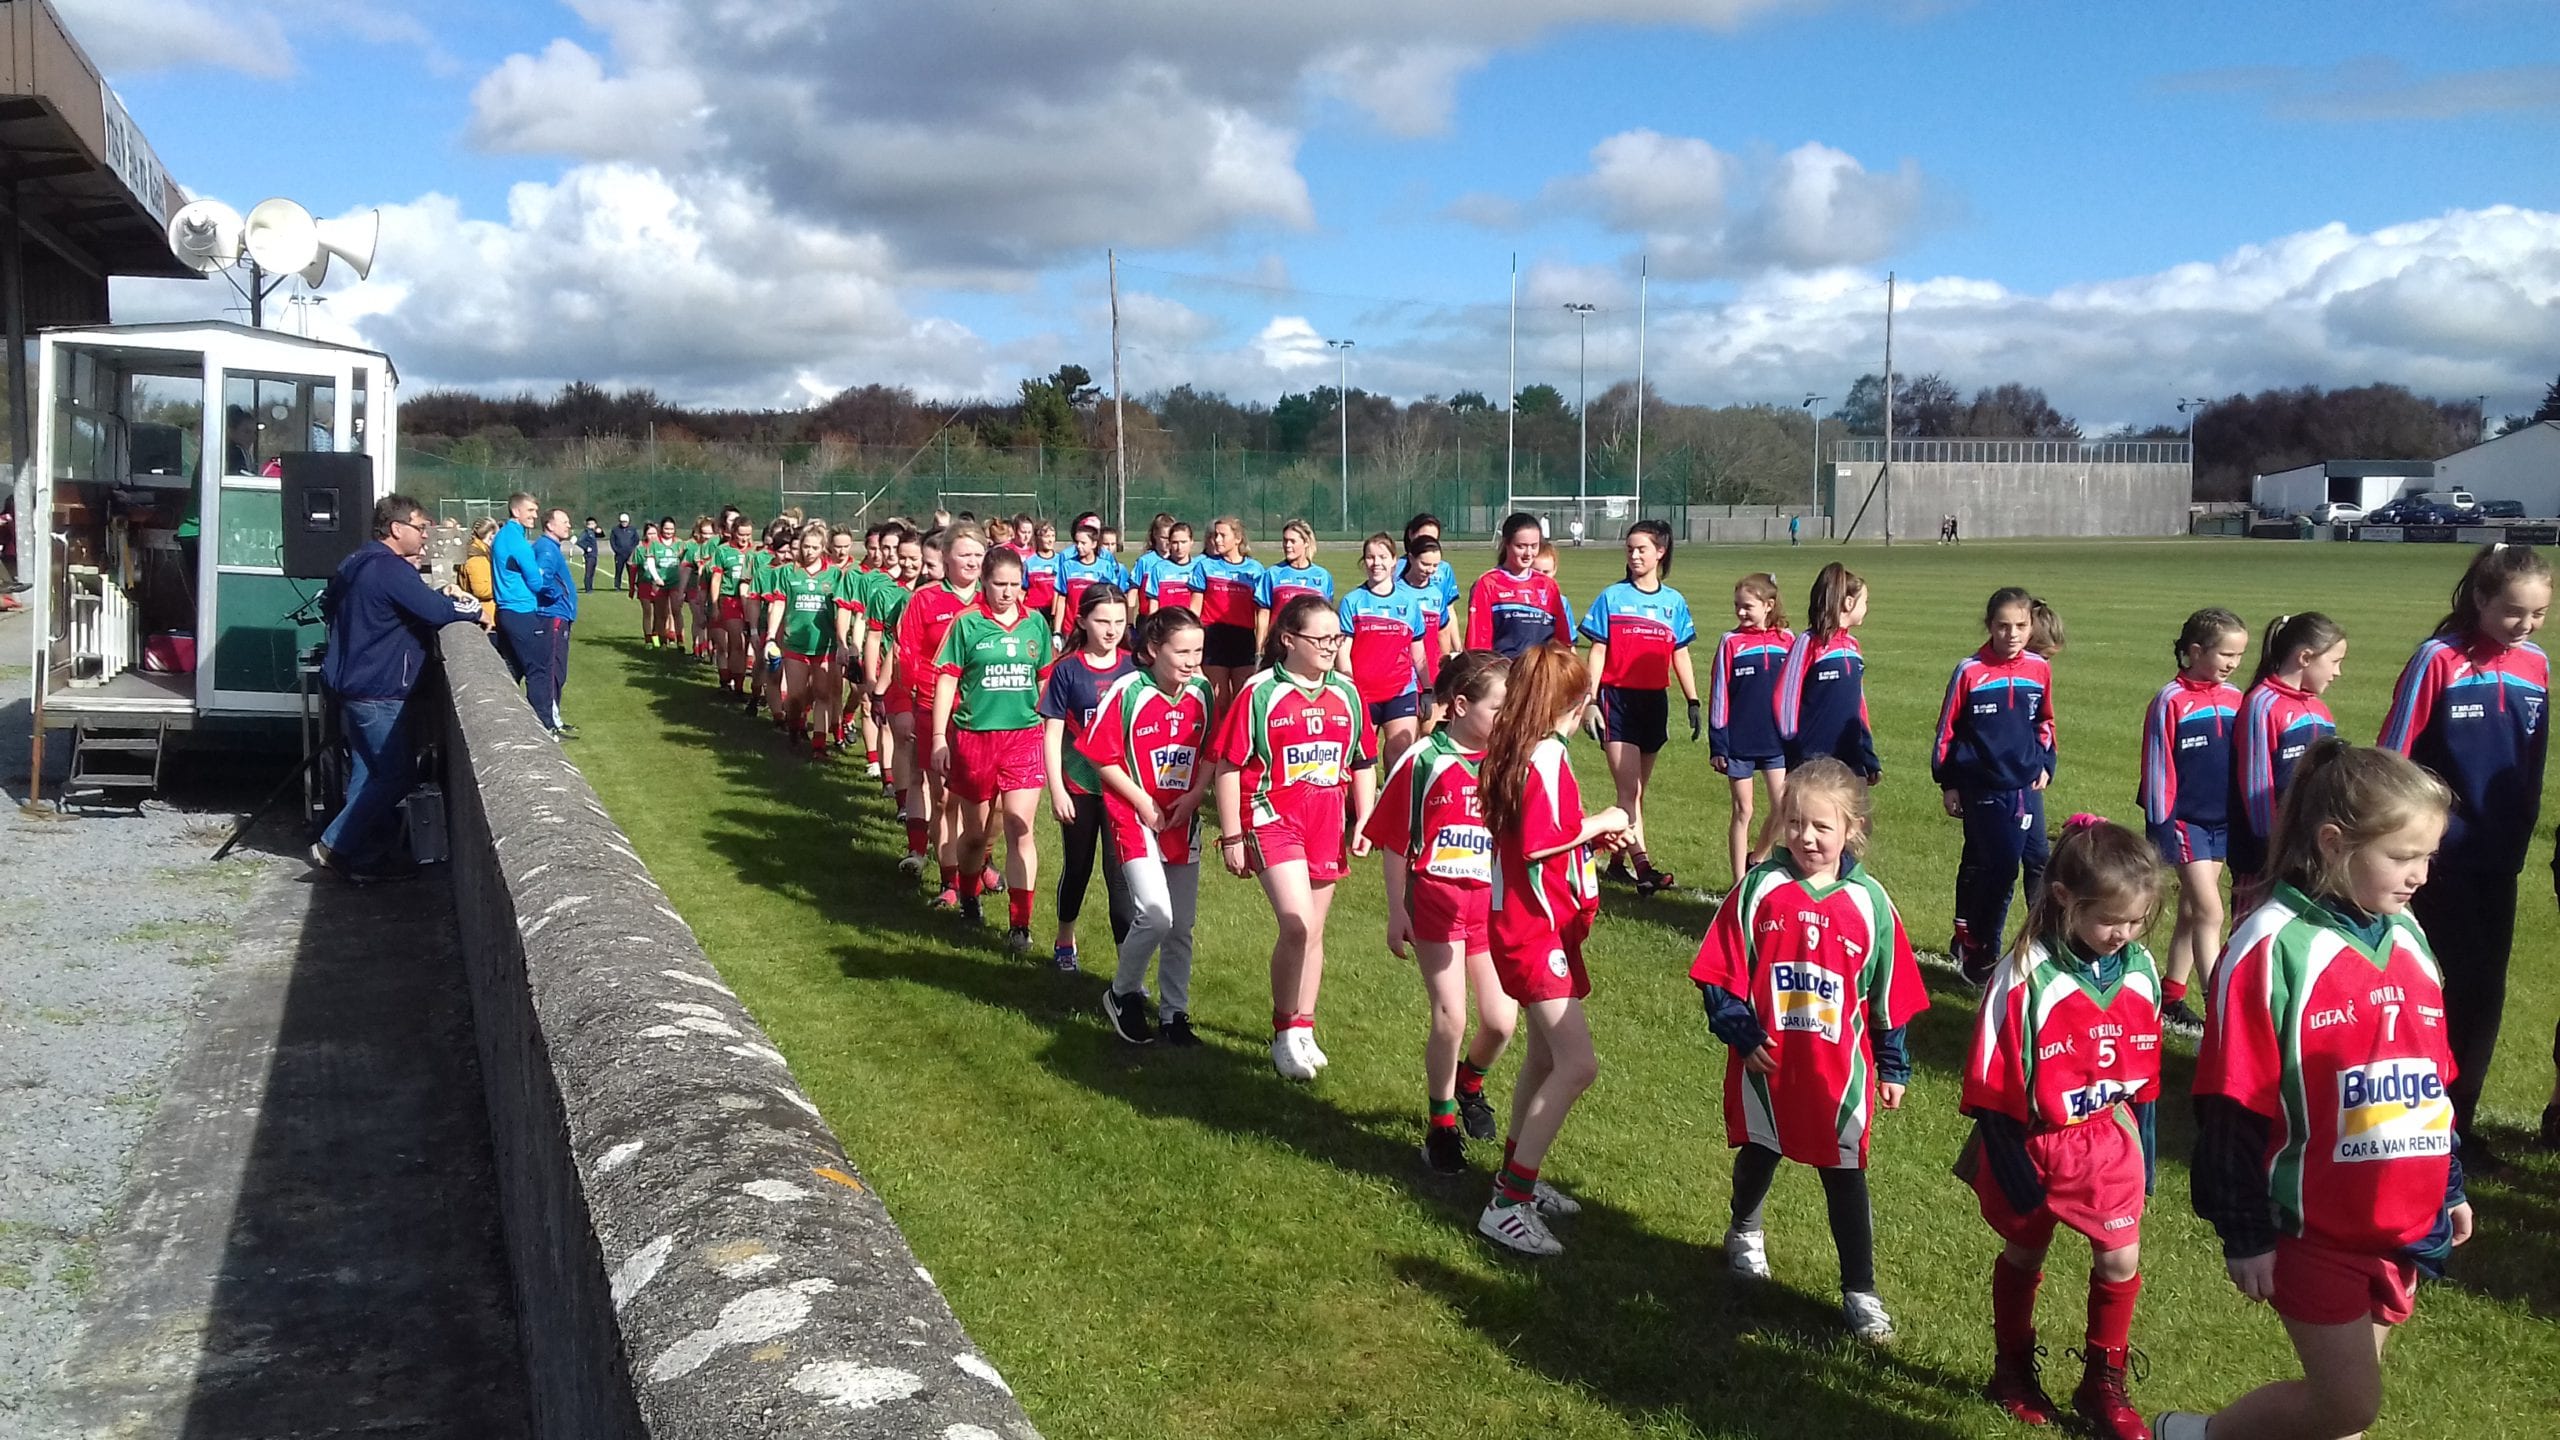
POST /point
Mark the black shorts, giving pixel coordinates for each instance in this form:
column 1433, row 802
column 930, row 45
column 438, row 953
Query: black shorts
column 1401, row 707
column 1641, row 718
column 1228, row 647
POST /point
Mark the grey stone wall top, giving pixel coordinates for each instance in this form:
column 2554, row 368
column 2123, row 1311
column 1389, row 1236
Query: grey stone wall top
column 758, row 1285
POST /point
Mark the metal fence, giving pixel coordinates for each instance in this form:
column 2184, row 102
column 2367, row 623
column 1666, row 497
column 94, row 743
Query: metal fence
column 2015, row 452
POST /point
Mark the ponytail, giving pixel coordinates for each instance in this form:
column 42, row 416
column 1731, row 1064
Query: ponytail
column 2290, row 635
column 2493, row 568
column 1153, row 632
column 2044, row 627
column 1098, row 593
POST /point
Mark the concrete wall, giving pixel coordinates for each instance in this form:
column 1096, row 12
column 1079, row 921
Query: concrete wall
column 1998, row 501
column 2523, row 465
column 694, row 1257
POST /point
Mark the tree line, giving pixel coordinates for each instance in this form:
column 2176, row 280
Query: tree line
column 1715, row 454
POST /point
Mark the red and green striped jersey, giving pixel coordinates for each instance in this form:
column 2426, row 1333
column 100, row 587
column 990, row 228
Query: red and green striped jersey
column 1155, row 735
column 1429, row 813
column 2052, row 1048
column 1818, row 965
column 999, row 665
column 2342, row 1048
column 1283, row 733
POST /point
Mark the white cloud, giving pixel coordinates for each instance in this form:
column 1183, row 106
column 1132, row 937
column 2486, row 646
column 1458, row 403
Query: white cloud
column 2376, row 87
column 252, row 37
column 562, row 102
column 1699, row 211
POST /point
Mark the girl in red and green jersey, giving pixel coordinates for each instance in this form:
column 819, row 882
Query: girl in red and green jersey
column 1384, row 657
column 1545, row 896
column 1428, row 829
column 902, row 770
column 725, row 573
column 1145, row 745
column 1094, row 662
column 986, row 737
column 800, row 630
column 2062, row 1085
column 694, row 563
column 1809, row 981
column 2325, row 1141
column 1295, row 761
column 930, row 609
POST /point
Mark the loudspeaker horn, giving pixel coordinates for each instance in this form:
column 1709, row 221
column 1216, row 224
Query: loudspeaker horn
column 281, row 236
column 353, row 241
column 206, row 236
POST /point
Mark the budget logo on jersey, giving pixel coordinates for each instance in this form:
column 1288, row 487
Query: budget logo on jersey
column 1461, row 852
column 1172, row 766
column 1808, row 998
column 2393, row 1109
column 2093, row 1099
column 1311, row 762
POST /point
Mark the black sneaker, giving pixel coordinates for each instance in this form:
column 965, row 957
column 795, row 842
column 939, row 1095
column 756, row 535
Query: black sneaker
column 1475, row 1114
column 2550, row 1133
column 1977, row 968
column 970, row 911
column 1128, row 1016
column 1176, row 1031
column 2178, row 1016
column 1443, row 1153
column 2481, row 1162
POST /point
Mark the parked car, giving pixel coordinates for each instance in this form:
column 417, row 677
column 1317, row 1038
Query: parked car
column 2337, row 512
column 2407, row 510
column 2456, row 504
column 2502, row 509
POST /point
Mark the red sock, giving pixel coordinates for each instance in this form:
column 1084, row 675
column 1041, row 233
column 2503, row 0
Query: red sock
column 870, row 757
column 1017, row 908
column 1508, row 1145
column 917, row 840
column 2172, row 991
column 2111, row 1314
column 969, row 886
column 2013, row 1305
column 946, row 879
column 1518, row 1183
column 1470, row 1079
column 1291, row 1020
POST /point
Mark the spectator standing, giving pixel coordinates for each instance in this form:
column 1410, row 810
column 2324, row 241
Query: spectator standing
column 588, row 540
column 557, row 612
column 516, row 584
column 381, row 614
column 625, row 541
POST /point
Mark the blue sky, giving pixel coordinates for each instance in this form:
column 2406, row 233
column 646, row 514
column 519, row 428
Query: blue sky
column 755, row 202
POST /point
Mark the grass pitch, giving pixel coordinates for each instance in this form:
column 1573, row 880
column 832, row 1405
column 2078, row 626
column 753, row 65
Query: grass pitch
column 1180, row 1244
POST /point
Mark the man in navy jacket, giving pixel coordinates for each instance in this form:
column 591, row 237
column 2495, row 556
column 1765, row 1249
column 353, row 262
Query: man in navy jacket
column 381, row 615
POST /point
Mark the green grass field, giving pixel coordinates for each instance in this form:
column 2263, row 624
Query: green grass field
column 1156, row 1243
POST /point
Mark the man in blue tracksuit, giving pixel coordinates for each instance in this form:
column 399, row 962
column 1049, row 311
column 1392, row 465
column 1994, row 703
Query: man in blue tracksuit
column 1993, row 758
column 558, row 611
column 381, row 615
column 517, row 584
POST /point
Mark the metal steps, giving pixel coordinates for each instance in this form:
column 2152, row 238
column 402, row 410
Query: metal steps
column 119, row 764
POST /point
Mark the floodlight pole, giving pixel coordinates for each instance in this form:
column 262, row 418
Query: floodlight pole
column 1342, row 408
column 1815, row 495
column 2191, row 408
column 1581, row 402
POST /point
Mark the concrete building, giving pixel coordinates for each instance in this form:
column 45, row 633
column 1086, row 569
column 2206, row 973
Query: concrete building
column 2364, row 484
column 2005, row 489
column 2521, row 465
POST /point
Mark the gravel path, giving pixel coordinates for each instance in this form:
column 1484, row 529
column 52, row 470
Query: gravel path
column 109, row 926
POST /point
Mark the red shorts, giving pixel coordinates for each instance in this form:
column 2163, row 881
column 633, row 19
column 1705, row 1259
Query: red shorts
column 1549, row 971
column 1307, row 827
column 2320, row 1284
column 643, row 590
column 827, row 659
column 1130, row 840
column 1444, row 911
column 732, row 608
column 986, row 763
column 2092, row 1175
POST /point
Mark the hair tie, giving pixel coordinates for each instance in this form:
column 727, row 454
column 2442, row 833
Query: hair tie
column 2282, row 619
column 2083, row 821
column 2497, row 545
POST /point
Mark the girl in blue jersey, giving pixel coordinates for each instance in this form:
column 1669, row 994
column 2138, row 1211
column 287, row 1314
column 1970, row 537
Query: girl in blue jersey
column 1087, row 565
column 1640, row 632
column 1384, row 657
column 1297, row 574
column 2185, row 795
column 1994, row 756
column 1229, row 578
column 1742, row 709
column 1822, row 693
column 2473, row 707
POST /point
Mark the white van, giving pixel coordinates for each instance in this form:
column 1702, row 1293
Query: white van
column 2457, row 501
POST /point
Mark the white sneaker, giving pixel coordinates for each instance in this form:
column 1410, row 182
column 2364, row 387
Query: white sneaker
column 2178, row 1425
column 1552, row 1201
column 1315, row 1056
column 1864, row 1311
column 1746, row 1253
column 1519, row 1228
column 871, row 768
column 1289, row 1057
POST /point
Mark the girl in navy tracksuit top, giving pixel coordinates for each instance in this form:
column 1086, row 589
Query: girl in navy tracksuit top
column 1994, row 756
column 2472, row 706
column 2185, row 794
column 1742, row 707
column 1822, row 694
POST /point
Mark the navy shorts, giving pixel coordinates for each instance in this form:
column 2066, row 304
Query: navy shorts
column 1402, row 707
column 1743, row 767
column 2181, row 843
column 1228, row 647
column 1641, row 718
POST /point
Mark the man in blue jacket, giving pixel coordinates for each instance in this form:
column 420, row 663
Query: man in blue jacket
column 558, row 611
column 381, row 615
column 518, row 585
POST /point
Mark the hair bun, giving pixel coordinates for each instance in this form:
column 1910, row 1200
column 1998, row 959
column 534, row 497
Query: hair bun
column 2083, row 821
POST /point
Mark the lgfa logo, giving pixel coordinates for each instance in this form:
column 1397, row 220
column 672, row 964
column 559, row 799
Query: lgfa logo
column 2392, row 1109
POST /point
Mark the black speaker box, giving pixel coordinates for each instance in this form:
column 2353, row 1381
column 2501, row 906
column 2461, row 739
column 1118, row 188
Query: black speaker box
column 328, row 510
